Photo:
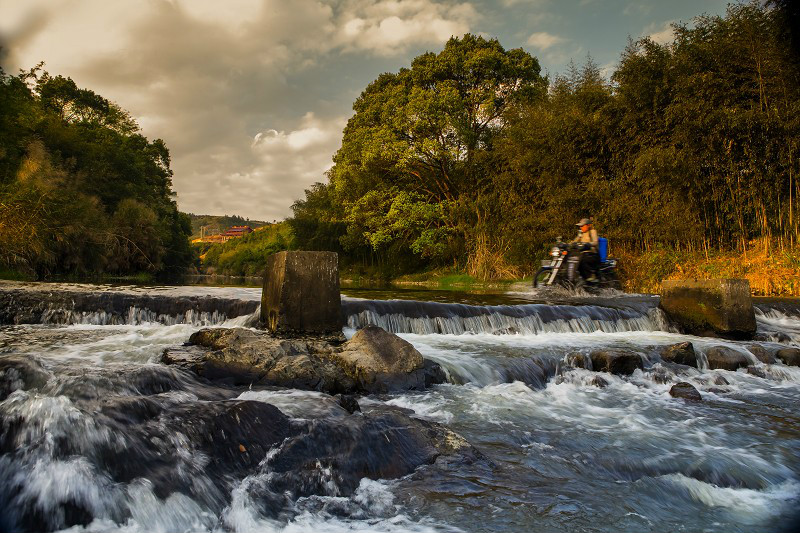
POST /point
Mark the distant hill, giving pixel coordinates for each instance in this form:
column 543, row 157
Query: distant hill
column 222, row 222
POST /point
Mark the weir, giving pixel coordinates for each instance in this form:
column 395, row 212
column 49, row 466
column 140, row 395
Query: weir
column 408, row 316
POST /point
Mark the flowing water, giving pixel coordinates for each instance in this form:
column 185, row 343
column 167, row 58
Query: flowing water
column 564, row 451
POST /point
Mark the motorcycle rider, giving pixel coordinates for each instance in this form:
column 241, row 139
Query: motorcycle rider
column 590, row 258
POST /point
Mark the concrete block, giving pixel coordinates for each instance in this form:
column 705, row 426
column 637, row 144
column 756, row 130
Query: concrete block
column 301, row 293
column 710, row 307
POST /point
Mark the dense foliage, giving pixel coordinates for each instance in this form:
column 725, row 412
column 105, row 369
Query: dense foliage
column 470, row 158
column 245, row 256
column 81, row 190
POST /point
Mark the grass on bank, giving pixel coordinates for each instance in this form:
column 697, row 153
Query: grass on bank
column 771, row 271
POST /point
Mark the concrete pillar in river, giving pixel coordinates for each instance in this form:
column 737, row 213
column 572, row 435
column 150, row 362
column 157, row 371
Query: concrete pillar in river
column 710, row 307
column 301, row 293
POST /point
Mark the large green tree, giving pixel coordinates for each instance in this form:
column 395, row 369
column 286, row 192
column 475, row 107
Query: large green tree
column 415, row 162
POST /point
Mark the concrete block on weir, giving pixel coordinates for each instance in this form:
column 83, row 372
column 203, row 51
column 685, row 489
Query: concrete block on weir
column 301, row 294
column 710, row 307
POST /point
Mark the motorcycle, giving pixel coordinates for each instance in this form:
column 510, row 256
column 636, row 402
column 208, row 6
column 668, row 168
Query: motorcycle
column 562, row 267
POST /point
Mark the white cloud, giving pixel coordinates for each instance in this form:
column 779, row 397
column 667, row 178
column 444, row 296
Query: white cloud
column 388, row 27
column 311, row 133
column 543, row 40
column 661, row 34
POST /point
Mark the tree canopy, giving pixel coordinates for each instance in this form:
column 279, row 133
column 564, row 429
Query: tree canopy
column 82, row 191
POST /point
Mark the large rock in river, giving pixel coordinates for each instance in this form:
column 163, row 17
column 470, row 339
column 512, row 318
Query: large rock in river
column 379, row 361
column 682, row 353
column 724, row 358
column 373, row 361
column 615, row 361
column 301, row 293
column 715, row 307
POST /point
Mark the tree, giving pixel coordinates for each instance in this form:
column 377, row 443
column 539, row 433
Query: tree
column 422, row 137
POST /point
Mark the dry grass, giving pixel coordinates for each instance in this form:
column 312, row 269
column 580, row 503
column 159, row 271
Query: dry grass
column 487, row 261
column 771, row 272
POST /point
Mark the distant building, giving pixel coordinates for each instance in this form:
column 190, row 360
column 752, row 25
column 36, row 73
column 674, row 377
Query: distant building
column 238, row 231
column 209, row 235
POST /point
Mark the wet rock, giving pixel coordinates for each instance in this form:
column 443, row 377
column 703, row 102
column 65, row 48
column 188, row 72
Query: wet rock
column 756, row 371
column 349, row 403
column 599, row 382
column 576, row 360
column 789, row 356
column 379, row 361
column 724, row 358
column 383, row 443
column 720, row 380
column 686, row 391
column 301, row 293
column 434, row 373
column 716, row 308
column 682, row 353
column 615, row 361
column 761, row 354
column 373, row 361
column 717, row 390
column 20, row 373
column 242, row 357
column 661, row 375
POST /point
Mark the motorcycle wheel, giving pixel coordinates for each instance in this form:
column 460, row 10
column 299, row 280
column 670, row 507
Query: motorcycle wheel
column 540, row 278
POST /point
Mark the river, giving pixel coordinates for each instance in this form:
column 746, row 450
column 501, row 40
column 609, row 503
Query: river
column 564, row 451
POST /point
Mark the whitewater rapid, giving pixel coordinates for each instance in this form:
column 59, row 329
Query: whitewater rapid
column 564, row 451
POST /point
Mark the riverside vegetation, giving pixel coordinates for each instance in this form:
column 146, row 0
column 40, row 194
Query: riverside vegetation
column 463, row 167
column 82, row 191
column 471, row 161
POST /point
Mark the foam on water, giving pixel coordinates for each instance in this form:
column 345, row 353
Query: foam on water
column 565, row 453
column 749, row 504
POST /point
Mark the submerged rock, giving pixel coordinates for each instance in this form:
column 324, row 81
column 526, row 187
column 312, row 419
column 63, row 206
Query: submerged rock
column 761, row 354
column 686, row 391
column 20, row 373
column 756, row 371
column 616, row 361
column 720, row 380
column 349, row 403
column 204, row 450
column 789, row 356
column 682, row 353
column 724, row 358
column 576, row 360
column 372, row 361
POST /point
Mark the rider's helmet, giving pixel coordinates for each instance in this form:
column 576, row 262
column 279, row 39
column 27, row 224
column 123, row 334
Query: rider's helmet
column 584, row 222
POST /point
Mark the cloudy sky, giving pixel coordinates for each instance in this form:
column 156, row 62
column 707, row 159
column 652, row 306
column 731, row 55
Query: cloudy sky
column 251, row 95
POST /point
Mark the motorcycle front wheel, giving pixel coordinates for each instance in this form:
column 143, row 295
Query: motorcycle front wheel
column 541, row 277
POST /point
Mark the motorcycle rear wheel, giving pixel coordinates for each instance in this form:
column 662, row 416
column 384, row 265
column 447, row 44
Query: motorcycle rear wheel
column 541, row 276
